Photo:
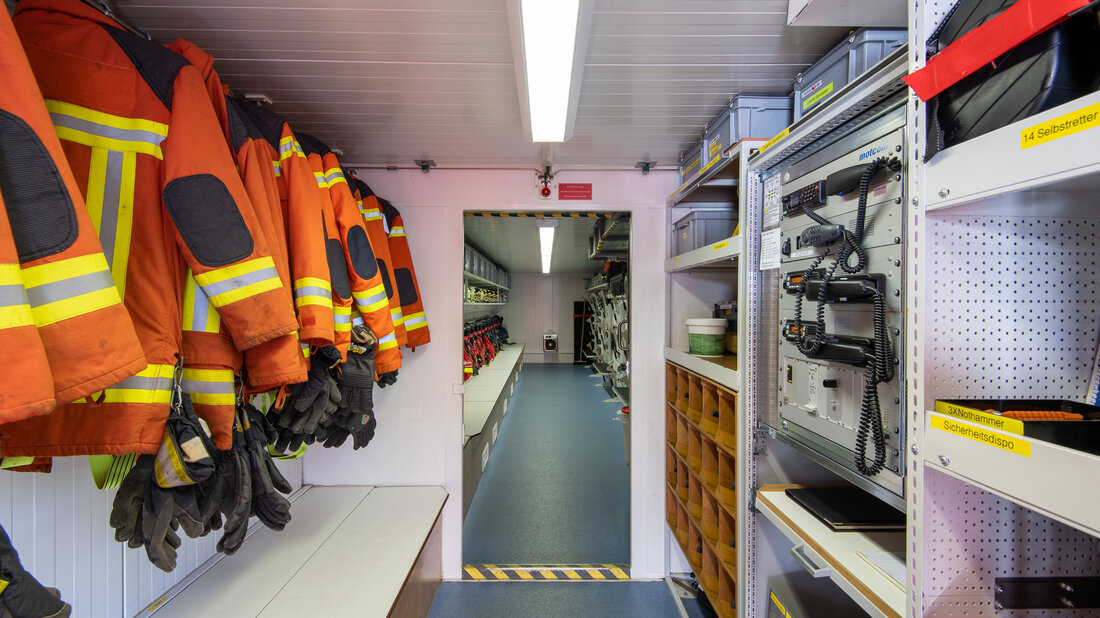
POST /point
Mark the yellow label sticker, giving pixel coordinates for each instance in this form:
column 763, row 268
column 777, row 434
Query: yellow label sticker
column 779, row 606
column 1055, row 128
column 721, row 245
column 3, row 584
column 817, row 96
column 768, row 144
column 692, row 166
column 977, row 434
column 715, row 146
column 1010, row 425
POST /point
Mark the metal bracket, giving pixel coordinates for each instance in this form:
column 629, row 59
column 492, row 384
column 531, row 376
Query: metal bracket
column 425, row 165
column 645, row 166
column 1046, row 592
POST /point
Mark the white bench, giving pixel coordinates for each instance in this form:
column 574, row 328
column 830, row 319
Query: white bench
column 348, row 551
column 484, row 404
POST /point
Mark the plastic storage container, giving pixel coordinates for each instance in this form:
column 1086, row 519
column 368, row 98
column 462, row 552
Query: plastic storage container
column 745, row 116
column 701, row 228
column 691, row 162
column 860, row 51
column 706, row 336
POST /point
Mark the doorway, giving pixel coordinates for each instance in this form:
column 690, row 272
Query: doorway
column 546, row 415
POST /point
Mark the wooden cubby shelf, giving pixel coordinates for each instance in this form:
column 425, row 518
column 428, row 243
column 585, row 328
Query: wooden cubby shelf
column 700, row 467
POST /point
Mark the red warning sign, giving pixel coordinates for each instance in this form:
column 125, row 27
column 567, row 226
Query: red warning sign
column 575, row 191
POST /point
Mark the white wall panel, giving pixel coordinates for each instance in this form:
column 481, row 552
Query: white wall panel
column 542, row 304
column 419, row 440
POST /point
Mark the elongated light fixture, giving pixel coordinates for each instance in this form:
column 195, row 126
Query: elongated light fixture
column 549, row 43
column 546, row 241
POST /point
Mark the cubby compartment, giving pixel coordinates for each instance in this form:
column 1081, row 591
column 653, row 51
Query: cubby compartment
column 682, row 390
column 670, row 424
column 683, row 524
column 727, row 480
column 695, row 549
column 695, row 398
column 671, row 465
column 727, row 595
column 727, row 419
column 709, row 576
column 710, row 464
column 710, row 415
column 695, row 498
column 682, row 483
column 671, row 376
column 695, row 450
column 727, row 539
column 710, row 518
column 671, row 505
column 682, row 436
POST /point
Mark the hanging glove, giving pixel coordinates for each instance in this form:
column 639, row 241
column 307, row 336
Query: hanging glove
column 236, row 497
column 21, row 595
column 356, row 383
column 126, row 511
column 387, row 379
column 310, row 403
column 159, row 525
column 268, row 504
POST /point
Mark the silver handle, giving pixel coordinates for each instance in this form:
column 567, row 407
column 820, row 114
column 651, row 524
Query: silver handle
column 799, row 553
column 619, row 335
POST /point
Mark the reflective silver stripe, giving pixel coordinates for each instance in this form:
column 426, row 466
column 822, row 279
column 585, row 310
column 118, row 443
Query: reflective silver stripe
column 288, row 147
column 309, row 290
column 240, row 281
column 414, row 321
column 357, row 320
column 112, row 188
column 213, row 388
column 201, row 310
column 278, row 168
column 145, row 383
column 69, row 288
column 377, row 298
column 86, row 126
column 388, row 338
column 12, row 295
column 341, row 319
column 334, row 176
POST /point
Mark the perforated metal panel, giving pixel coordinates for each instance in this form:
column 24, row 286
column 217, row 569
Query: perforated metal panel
column 974, row 537
column 1013, row 315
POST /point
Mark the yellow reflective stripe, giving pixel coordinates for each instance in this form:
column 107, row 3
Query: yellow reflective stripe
column 320, row 178
column 96, row 141
column 288, row 147
column 397, row 231
column 105, row 119
column 240, row 281
column 305, row 350
column 377, row 306
column 150, row 385
column 10, row 275
column 14, row 316
column 319, row 301
column 415, row 321
column 198, row 314
column 313, row 282
column 174, row 463
column 97, row 179
column 370, row 214
column 396, row 317
column 334, row 175
column 387, row 342
column 214, row 387
column 15, row 309
column 278, row 168
column 124, row 221
column 92, row 288
column 341, row 319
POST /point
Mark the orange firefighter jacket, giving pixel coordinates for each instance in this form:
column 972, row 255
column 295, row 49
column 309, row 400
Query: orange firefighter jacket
column 376, row 231
column 412, row 306
column 304, row 228
column 146, row 148
column 65, row 278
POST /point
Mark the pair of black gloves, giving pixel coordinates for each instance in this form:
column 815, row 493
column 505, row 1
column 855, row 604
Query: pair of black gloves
column 244, row 481
column 335, row 403
column 21, row 595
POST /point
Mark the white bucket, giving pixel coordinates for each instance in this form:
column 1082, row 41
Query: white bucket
column 706, row 336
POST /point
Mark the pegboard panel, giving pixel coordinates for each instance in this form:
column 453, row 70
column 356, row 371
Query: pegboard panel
column 973, row 537
column 1014, row 312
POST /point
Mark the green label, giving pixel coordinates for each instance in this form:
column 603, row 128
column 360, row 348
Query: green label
column 817, row 96
column 706, row 345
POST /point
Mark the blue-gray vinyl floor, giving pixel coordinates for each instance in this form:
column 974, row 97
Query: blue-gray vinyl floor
column 553, row 600
column 557, row 488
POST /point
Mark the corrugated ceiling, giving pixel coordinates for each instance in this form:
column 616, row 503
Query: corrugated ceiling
column 389, row 82
column 513, row 244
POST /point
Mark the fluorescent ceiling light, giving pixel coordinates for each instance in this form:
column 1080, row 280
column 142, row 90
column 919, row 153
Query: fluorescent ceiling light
column 546, row 241
column 549, row 42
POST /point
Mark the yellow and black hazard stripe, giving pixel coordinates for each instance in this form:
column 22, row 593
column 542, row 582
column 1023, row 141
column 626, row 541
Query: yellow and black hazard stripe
column 542, row 215
column 546, row 572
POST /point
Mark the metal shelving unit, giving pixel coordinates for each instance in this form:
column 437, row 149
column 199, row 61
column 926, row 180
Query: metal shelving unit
column 716, row 255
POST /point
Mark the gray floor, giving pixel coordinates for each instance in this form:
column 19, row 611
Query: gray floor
column 553, row 599
column 557, row 488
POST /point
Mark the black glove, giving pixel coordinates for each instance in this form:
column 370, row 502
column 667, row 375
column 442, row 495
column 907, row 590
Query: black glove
column 387, row 379
column 356, row 410
column 236, row 498
column 309, row 405
column 159, row 525
column 126, row 512
column 22, row 596
column 268, row 504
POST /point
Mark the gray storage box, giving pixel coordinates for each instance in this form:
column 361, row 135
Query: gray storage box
column 701, row 228
column 860, row 51
column 746, row 116
column 691, row 161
